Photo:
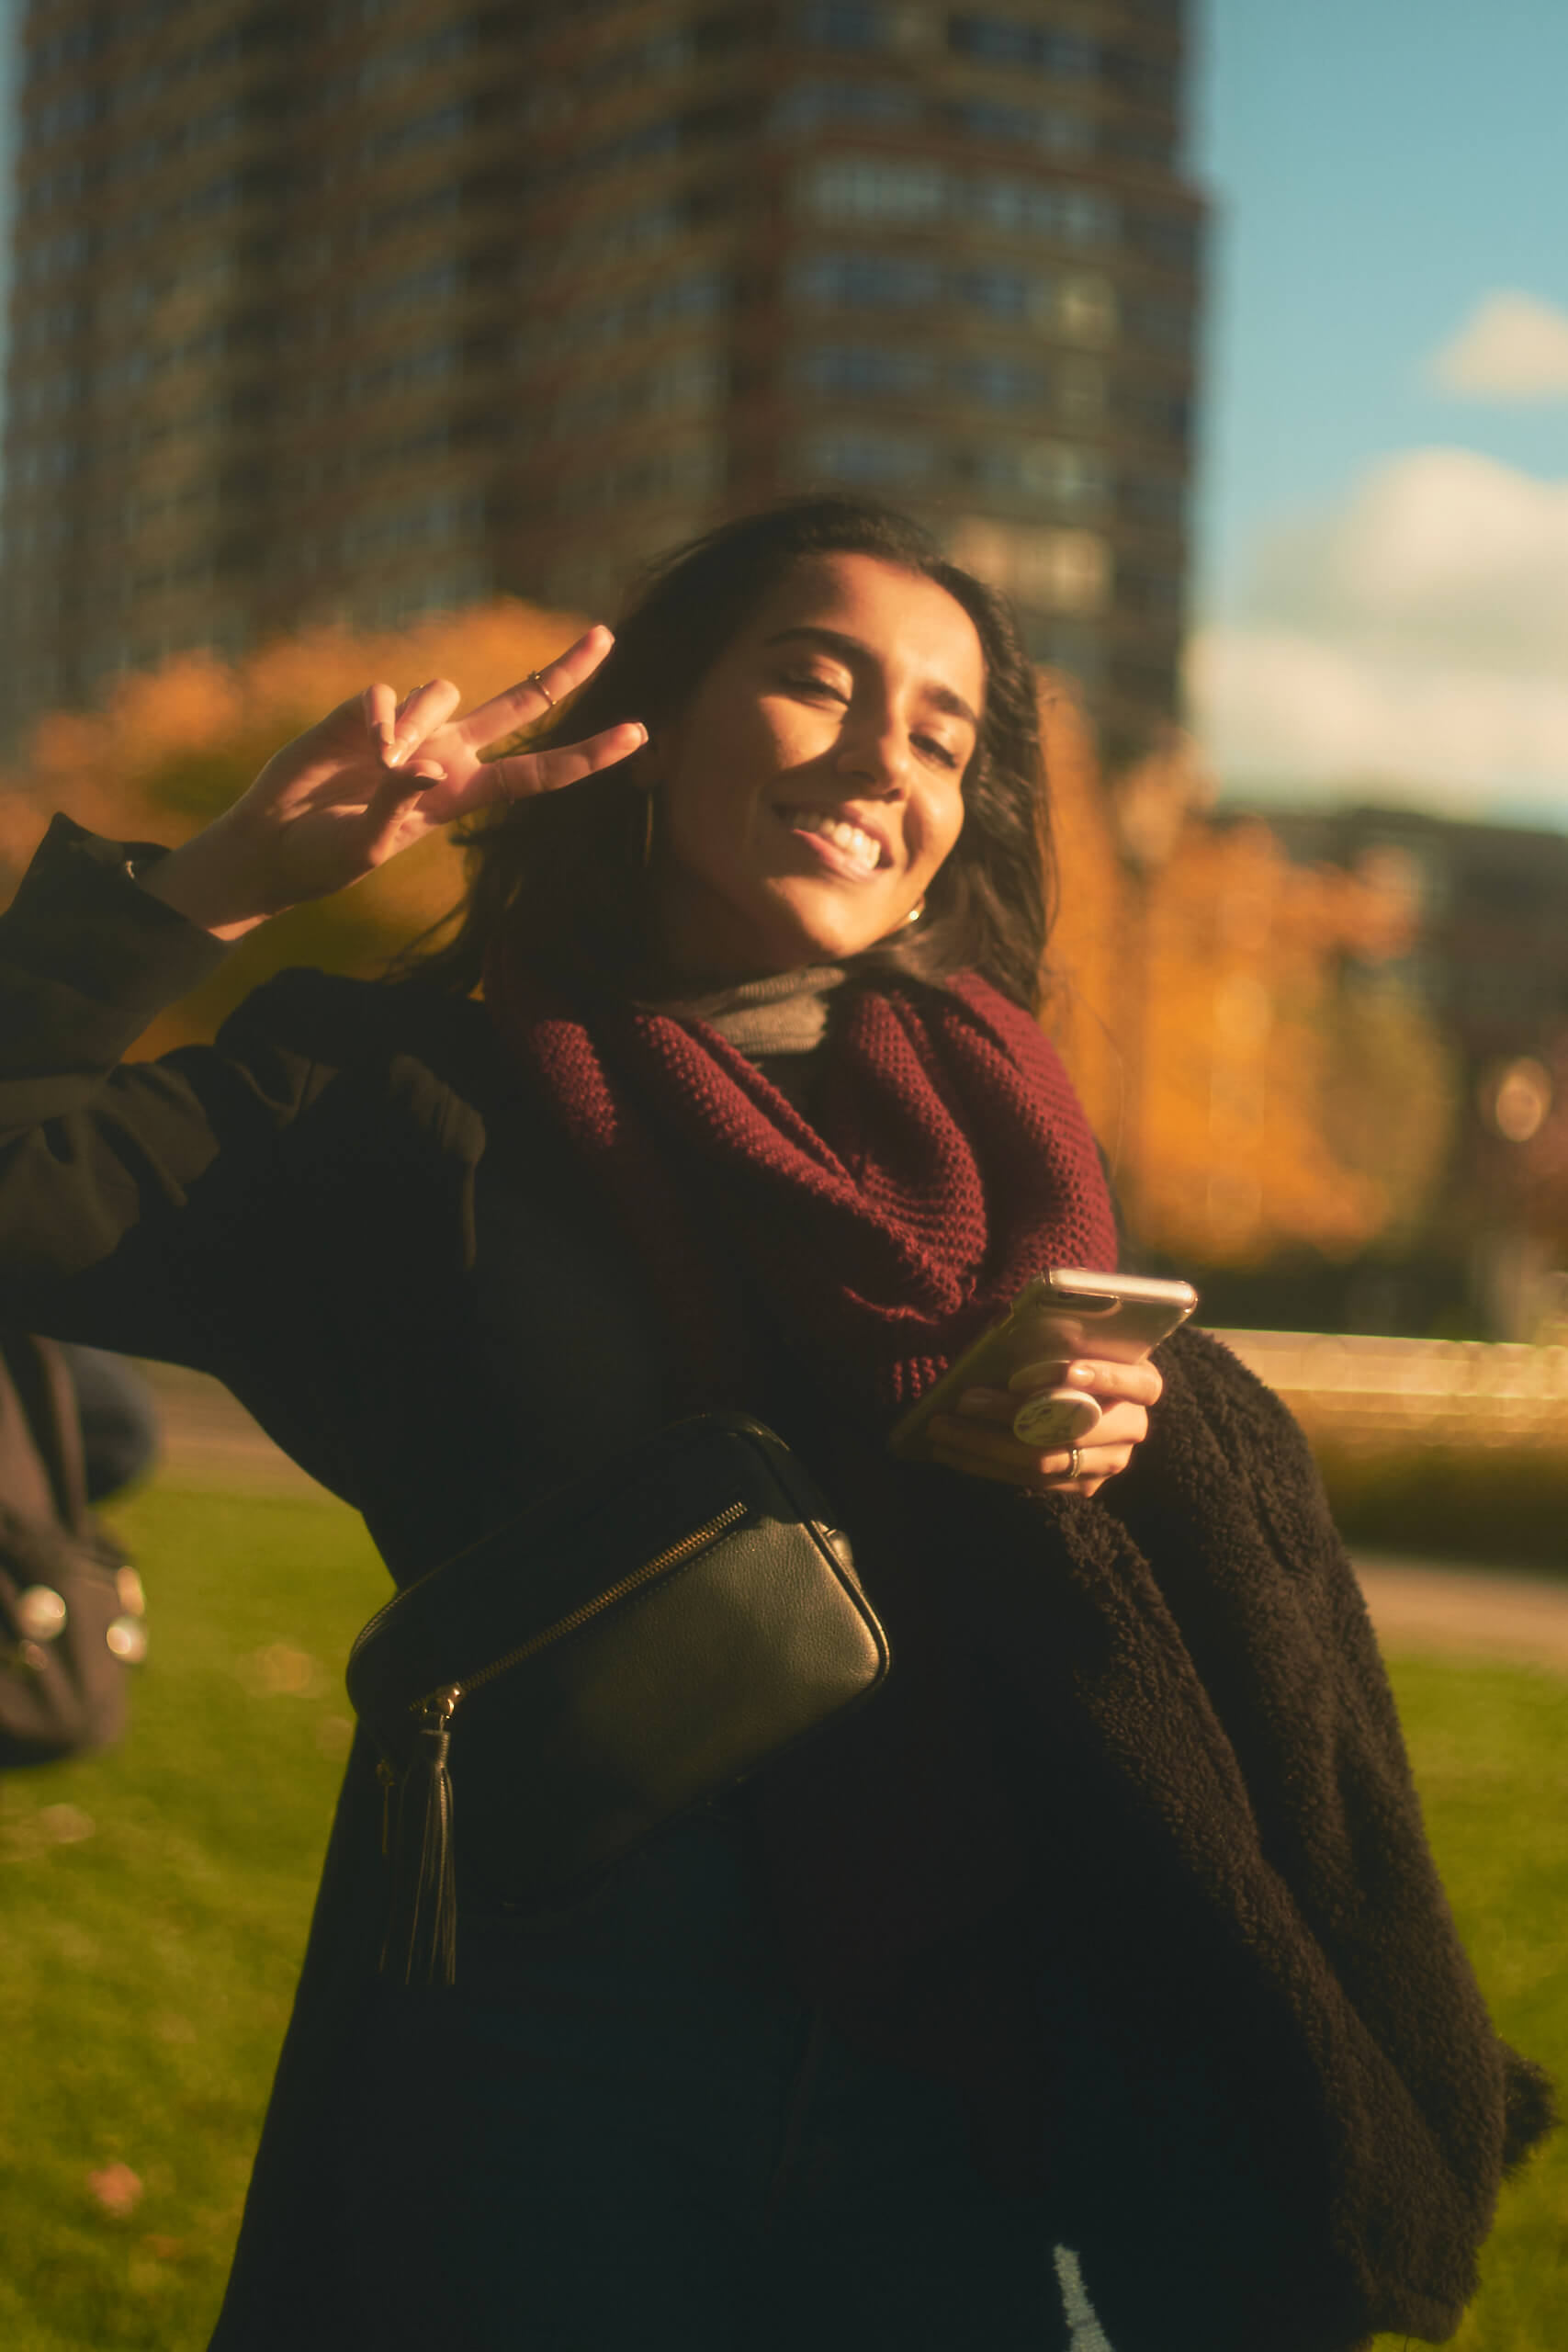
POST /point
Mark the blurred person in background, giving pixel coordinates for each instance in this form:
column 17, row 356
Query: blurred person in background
column 1101, row 1955
column 118, row 1413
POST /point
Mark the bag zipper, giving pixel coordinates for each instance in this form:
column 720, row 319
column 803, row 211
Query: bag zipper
column 437, row 1706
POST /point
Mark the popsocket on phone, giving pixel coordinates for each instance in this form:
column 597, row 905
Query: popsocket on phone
column 1054, row 1415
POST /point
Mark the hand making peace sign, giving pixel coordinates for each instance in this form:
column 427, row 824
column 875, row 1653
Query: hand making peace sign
column 370, row 780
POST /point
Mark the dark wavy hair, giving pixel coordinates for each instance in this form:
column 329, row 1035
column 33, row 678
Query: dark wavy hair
column 565, row 866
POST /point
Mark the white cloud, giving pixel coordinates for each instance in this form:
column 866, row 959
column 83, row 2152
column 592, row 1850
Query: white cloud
column 1512, row 347
column 1414, row 637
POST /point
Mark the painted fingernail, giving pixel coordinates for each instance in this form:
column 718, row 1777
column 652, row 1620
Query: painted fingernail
column 1082, row 1374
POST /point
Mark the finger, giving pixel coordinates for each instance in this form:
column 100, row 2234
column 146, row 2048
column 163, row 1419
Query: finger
column 1029, row 1482
column 428, row 708
column 528, row 773
column 1123, row 1426
column 977, row 1444
column 985, row 1405
column 528, row 702
column 1048, row 1474
column 980, row 1443
column 379, row 704
column 1134, row 1383
column 398, row 792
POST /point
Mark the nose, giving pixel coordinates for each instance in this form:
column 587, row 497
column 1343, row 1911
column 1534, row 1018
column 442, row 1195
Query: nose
column 876, row 754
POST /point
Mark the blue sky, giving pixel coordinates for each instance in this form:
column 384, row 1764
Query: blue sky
column 1380, row 588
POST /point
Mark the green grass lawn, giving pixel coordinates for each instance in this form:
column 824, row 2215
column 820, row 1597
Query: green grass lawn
column 155, row 1901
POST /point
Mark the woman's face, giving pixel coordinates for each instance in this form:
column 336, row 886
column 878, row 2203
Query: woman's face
column 812, row 787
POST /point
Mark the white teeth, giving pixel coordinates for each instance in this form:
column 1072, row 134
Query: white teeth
column 839, row 830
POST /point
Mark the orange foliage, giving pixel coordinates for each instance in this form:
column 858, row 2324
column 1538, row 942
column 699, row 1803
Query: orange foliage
column 1192, row 995
column 173, row 745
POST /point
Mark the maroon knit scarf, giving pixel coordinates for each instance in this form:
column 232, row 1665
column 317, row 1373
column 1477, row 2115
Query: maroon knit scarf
column 949, row 1161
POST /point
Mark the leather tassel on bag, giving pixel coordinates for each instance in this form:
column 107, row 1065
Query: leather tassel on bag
column 421, row 1946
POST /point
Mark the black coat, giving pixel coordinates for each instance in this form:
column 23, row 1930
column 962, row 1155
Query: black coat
column 1286, row 2115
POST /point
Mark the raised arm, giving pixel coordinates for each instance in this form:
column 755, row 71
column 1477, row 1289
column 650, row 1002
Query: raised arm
column 99, row 1159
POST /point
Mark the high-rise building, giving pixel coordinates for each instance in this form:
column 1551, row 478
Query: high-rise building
column 361, row 308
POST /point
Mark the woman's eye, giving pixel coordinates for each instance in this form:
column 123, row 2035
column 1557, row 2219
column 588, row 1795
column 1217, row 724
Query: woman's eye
column 804, row 684
column 943, row 753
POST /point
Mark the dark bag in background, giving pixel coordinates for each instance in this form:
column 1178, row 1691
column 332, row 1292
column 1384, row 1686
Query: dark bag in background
column 71, row 1604
column 637, row 1642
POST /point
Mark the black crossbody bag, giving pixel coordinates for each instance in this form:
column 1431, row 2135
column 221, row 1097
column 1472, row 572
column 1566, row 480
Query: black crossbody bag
column 640, row 1640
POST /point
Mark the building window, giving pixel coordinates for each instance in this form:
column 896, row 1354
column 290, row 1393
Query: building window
column 844, row 24
column 1066, row 477
column 408, row 60
column 1001, row 293
column 1053, row 130
column 687, row 380
column 919, row 196
column 1050, row 473
column 1061, row 571
column 867, row 460
column 424, row 521
column 871, row 370
column 695, row 296
column 1165, row 326
column 425, row 130
column 1002, row 40
column 811, row 103
column 1000, row 382
column 620, row 236
column 1160, row 505
column 442, row 591
column 413, row 290
column 1160, row 416
column 1078, row 307
column 1087, row 310
column 418, row 211
column 405, row 372
column 1169, row 239
column 866, row 281
column 1155, row 594
column 861, row 187
column 693, row 469
column 1064, row 57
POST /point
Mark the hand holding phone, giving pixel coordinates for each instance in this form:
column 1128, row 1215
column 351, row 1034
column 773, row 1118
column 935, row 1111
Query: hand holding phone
column 1066, row 1314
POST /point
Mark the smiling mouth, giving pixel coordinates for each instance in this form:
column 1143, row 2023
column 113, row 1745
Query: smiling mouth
column 860, row 851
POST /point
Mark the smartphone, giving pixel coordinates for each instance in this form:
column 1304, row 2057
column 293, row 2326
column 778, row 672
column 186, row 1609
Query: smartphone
column 1066, row 1314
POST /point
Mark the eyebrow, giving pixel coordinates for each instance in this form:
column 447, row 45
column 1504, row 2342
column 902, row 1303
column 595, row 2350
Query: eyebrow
column 852, row 649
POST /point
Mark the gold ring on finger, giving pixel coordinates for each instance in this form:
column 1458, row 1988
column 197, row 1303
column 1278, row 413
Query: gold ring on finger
column 533, row 679
column 1074, row 1462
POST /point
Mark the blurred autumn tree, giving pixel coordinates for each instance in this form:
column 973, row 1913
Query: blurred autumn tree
column 173, row 746
column 1262, row 1082
column 1233, row 1021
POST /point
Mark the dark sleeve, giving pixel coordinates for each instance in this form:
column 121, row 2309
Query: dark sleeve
column 100, row 1161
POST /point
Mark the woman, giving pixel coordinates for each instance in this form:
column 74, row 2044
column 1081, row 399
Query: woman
column 1109, row 1924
